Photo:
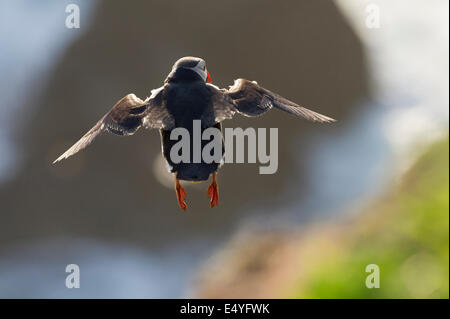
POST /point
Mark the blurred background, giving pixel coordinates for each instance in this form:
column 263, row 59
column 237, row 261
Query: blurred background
column 369, row 189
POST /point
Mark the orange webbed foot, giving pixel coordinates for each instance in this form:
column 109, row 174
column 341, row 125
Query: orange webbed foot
column 181, row 194
column 213, row 192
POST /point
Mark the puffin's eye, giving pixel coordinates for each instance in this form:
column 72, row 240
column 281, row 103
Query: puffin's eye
column 204, row 67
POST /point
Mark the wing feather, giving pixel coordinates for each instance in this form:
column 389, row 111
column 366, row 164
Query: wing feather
column 82, row 142
column 250, row 99
column 125, row 118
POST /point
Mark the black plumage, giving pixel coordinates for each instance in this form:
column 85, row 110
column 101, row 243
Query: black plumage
column 187, row 101
column 188, row 95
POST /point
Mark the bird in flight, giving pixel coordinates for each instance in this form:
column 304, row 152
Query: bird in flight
column 187, row 95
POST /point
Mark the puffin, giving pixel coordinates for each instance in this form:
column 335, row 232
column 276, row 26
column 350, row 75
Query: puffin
column 187, row 95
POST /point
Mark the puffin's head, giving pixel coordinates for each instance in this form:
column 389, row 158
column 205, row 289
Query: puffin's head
column 189, row 69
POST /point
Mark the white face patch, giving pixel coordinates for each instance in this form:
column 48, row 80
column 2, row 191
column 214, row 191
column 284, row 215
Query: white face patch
column 200, row 69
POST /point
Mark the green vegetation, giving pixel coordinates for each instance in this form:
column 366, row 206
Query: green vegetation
column 406, row 235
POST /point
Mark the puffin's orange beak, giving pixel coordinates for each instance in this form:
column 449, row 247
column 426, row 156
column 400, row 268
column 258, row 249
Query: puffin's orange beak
column 209, row 80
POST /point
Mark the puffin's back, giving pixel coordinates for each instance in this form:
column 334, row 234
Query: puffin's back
column 187, row 102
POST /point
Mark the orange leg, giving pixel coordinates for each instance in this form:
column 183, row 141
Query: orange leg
column 181, row 194
column 213, row 191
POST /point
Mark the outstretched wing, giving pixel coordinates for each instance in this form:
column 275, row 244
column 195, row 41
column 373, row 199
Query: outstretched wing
column 250, row 99
column 125, row 118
